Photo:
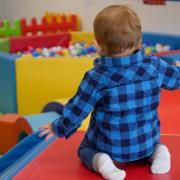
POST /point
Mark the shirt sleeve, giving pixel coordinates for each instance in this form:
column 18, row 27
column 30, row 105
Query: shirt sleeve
column 169, row 75
column 78, row 108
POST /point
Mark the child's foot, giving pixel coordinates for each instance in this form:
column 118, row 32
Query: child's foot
column 103, row 164
column 160, row 160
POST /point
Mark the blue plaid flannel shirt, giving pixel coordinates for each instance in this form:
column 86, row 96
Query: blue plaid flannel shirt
column 123, row 94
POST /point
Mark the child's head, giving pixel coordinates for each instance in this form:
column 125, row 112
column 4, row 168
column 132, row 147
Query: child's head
column 117, row 28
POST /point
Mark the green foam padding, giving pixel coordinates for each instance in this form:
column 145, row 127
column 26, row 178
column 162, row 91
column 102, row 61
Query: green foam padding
column 4, row 45
column 8, row 30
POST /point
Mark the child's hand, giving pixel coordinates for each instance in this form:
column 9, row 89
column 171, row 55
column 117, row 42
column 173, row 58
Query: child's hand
column 46, row 130
column 177, row 63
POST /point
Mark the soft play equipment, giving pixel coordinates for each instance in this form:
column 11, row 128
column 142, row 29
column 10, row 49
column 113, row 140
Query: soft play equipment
column 57, row 106
column 34, row 154
column 39, row 81
column 49, row 40
column 62, row 17
column 35, row 158
column 51, row 79
column 49, row 75
column 22, row 153
column 7, row 30
column 48, row 24
column 4, row 44
column 13, row 127
column 7, row 83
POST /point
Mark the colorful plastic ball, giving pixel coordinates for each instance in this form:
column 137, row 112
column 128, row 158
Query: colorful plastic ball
column 84, row 51
column 52, row 53
column 166, row 48
column 65, row 52
column 60, row 52
column 148, row 51
column 71, row 47
column 79, row 51
column 78, row 45
column 92, row 49
column 35, row 54
column 46, row 54
column 73, row 52
column 31, row 49
column 39, row 50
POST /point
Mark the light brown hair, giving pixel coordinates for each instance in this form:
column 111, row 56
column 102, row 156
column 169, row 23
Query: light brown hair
column 117, row 28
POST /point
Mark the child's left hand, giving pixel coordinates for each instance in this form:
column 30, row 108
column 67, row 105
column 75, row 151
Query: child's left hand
column 177, row 63
column 46, row 130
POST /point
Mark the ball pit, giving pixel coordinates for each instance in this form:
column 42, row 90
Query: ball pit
column 74, row 50
column 156, row 48
column 81, row 49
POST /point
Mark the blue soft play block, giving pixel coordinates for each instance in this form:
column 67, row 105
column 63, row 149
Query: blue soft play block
column 166, row 39
column 176, row 57
column 37, row 120
column 7, row 83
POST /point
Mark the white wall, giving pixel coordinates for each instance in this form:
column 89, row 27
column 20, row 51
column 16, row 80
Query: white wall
column 1, row 9
column 154, row 18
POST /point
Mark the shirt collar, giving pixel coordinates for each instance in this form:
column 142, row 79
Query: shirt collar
column 120, row 61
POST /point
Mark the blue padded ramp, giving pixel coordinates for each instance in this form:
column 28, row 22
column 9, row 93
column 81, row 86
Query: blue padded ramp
column 23, row 153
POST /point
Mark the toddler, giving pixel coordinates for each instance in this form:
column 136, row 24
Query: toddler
column 122, row 91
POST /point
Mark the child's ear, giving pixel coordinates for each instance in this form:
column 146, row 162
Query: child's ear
column 139, row 45
column 98, row 47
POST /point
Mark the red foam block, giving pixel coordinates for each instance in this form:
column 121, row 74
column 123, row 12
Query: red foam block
column 171, row 52
column 66, row 24
column 49, row 40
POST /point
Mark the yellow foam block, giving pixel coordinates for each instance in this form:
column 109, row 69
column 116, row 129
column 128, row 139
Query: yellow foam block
column 49, row 15
column 41, row 80
column 85, row 37
column 85, row 123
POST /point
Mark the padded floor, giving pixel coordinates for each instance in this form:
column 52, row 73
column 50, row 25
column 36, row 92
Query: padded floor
column 59, row 161
column 169, row 112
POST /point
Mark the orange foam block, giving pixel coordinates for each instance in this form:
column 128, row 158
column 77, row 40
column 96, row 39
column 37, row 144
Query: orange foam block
column 11, row 128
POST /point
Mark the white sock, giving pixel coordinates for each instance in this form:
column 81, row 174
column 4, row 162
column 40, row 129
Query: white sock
column 160, row 159
column 103, row 164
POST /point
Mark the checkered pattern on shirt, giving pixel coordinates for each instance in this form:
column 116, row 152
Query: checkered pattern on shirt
column 124, row 95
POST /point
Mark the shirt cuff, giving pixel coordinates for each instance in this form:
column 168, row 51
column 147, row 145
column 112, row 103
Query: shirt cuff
column 60, row 130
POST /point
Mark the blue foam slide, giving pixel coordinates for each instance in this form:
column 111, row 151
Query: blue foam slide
column 23, row 153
